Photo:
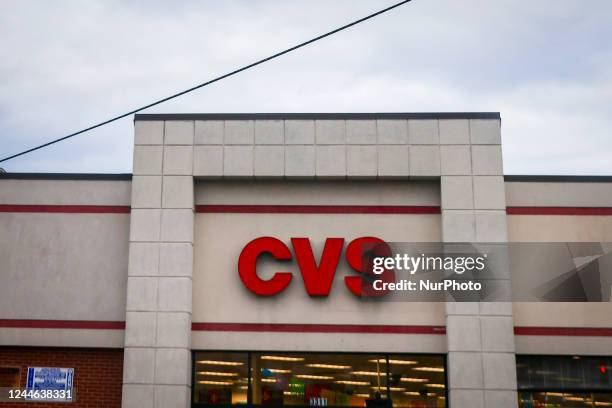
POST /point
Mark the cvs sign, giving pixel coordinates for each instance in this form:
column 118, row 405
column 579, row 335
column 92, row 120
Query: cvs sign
column 317, row 275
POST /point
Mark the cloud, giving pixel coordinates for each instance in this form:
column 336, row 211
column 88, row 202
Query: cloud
column 546, row 66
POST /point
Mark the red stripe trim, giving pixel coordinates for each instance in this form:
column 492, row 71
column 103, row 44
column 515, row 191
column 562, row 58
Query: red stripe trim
column 84, row 209
column 564, row 331
column 559, row 210
column 299, row 209
column 62, row 324
column 303, row 328
column 318, row 209
column 316, row 328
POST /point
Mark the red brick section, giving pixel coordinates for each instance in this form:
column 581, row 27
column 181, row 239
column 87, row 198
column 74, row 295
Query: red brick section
column 98, row 373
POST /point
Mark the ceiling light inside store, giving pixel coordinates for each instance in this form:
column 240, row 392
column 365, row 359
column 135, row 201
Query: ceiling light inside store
column 418, row 394
column 393, row 361
column 430, row 369
column 225, row 363
column 217, row 374
column 367, row 373
column 315, row 377
column 330, row 366
column 414, row 380
column 215, row 382
column 276, row 370
column 282, row 358
column 349, row 382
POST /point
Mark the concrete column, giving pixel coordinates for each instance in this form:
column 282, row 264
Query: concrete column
column 157, row 362
column 480, row 336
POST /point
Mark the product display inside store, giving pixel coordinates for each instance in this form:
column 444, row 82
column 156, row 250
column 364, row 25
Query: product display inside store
column 342, row 379
column 564, row 399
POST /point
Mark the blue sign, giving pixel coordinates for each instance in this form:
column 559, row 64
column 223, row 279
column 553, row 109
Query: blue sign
column 53, row 383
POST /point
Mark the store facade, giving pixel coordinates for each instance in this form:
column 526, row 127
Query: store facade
column 201, row 271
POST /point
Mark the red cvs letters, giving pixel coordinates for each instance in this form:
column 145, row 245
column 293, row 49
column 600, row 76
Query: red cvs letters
column 317, row 275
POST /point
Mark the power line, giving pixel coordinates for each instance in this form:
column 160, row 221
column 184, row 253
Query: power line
column 219, row 78
column 244, row 68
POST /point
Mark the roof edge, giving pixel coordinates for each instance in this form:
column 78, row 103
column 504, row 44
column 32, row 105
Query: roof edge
column 558, row 179
column 312, row 116
column 66, row 176
column 128, row 176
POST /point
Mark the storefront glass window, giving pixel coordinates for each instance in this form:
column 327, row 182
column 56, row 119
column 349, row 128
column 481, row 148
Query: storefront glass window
column 417, row 382
column 321, row 379
column 564, row 381
column 220, row 378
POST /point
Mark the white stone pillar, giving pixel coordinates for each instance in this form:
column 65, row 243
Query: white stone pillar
column 157, row 359
column 480, row 336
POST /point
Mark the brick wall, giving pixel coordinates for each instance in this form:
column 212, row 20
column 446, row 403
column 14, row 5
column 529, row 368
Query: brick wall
column 97, row 373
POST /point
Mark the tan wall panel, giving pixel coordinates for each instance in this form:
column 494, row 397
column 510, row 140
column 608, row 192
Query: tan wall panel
column 63, row 266
column 559, row 228
column 565, row 194
column 342, row 342
column 573, row 314
column 66, row 192
column 219, row 295
column 563, row 345
column 62, row 337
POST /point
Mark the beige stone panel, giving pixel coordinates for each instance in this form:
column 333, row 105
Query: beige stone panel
column 137, row 396
column 467, row 398
column 318, row 193
column 341, row 342
column 148, row 132
column 208, row 132
column 172, row 396
column 178, row 132
column 559, row 228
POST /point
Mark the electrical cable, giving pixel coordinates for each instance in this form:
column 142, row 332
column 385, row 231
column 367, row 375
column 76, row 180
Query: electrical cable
column 219, row 78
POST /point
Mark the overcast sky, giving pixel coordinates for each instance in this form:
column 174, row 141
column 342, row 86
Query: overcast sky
column 545, row 65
